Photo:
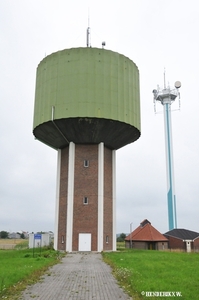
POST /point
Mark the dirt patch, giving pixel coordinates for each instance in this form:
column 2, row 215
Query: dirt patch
column 7, row 246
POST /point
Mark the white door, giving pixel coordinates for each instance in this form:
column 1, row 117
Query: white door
column 84, row 241
column 188, row 244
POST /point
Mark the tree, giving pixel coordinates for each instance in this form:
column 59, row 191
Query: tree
column 3, row 234
column 121, row 237
column 22, row 236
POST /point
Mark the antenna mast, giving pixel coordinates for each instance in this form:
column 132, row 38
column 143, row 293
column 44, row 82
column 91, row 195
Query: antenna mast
column 166, row 97
column 88, row 43
column 164, row 79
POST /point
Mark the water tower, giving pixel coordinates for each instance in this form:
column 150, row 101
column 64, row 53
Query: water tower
column 87, row 105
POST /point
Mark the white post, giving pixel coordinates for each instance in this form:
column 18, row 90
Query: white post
column 57, row 199
column 100, row 197
column 131, row 235
column 70, row 197
column 114, row 197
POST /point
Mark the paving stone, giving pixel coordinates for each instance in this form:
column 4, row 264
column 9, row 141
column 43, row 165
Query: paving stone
column 80, row 276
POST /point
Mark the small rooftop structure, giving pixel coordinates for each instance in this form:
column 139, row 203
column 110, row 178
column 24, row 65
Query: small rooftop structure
column 145, row 236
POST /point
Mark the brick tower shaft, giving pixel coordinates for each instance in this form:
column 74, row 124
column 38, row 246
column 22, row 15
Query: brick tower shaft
column 85, row 202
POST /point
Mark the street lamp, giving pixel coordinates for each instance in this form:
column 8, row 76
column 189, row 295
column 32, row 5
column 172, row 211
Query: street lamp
column 131, row 234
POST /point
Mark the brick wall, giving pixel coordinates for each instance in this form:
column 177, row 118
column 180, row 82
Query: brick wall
column 85, row 185
column 85, row 216
column 196, row 244
column 175, row 243
column 146, row 245
column 140, row 245
column 162, row 245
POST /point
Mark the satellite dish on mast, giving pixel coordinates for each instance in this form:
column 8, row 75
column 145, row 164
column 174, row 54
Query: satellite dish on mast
column 177, row 84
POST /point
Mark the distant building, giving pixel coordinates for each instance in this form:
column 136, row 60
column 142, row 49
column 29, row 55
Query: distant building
column 183, row 239
column 18, row 235
column 14, row 235
column 26, row 234
column 39, row 240
column 146, row 237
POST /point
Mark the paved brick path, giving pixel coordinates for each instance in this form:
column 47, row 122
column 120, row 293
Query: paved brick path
column 80, row 276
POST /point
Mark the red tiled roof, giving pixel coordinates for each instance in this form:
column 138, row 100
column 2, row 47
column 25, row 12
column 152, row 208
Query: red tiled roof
column 146, row 232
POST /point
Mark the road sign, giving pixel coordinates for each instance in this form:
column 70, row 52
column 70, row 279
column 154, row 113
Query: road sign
column 37, row 236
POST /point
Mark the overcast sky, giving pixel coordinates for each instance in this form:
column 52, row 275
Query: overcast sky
column 155, row 34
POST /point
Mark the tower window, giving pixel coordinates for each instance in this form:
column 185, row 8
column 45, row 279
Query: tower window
column 85, row 200
column 86, row 163
column 107, row 239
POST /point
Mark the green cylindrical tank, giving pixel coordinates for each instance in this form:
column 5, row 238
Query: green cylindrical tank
column 87, row 96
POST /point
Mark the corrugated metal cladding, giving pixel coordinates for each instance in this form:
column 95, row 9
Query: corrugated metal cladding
column 87, row 82
column 87, row 85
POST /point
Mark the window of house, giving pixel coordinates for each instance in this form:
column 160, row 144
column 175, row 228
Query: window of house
column 86, row 163
column 85, row 200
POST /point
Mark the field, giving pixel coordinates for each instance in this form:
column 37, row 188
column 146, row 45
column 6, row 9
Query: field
column 11, row 243
column 144, row 273
column 120, row 246
column 18, row 268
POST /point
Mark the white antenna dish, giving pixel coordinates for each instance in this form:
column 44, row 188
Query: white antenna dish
column 177, row 84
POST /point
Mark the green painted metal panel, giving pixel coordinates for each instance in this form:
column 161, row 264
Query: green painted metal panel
column 87, row 82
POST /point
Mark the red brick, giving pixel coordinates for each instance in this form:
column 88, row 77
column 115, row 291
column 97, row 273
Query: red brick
column 85, row 216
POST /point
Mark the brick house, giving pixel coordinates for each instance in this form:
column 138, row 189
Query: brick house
column 183, row 239
column 145, row 236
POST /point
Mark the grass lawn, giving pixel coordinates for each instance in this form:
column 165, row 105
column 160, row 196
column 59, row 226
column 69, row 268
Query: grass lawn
column 141, row 271
column 18, row 268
